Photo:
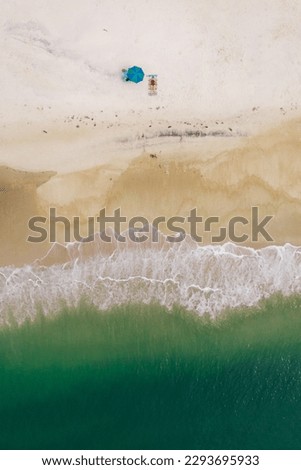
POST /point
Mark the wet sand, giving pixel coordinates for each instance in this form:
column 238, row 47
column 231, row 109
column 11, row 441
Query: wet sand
column 219, row 175
column 18, row 202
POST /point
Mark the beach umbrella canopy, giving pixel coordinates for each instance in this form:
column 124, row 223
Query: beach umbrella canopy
column 135, row 74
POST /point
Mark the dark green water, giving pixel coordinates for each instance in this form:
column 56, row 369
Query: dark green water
column 144, row 378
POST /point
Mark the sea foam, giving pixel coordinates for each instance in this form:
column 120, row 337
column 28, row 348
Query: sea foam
column 203, row 279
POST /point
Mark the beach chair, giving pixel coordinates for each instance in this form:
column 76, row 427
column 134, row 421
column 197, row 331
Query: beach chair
column 152, row 84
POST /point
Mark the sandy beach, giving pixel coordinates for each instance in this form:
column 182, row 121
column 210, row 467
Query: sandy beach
column 164, row 170
column 221, row 135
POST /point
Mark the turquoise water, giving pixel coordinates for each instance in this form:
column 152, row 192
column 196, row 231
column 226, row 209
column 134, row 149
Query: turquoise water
column 140, row 377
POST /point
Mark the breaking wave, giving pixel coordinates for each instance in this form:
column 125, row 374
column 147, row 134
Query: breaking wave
column 201, row 279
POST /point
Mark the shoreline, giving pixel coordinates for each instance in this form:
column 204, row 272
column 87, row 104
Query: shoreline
column 206, row 280
column 219, row 176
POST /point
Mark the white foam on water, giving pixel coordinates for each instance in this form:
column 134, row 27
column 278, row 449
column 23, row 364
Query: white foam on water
column 202, row 279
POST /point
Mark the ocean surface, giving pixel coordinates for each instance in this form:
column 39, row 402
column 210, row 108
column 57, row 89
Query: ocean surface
column 150, row 348
column 143, row 377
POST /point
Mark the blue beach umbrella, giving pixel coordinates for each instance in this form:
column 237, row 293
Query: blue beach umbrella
column 135, row 74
